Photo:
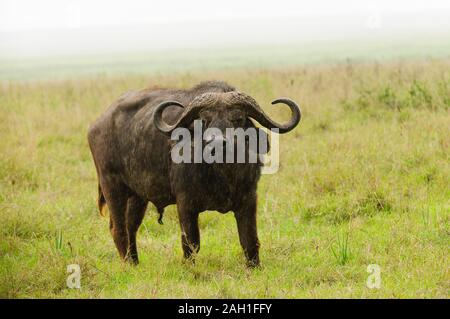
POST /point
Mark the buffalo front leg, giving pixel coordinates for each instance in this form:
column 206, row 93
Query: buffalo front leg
column 248, row 235
column 190, row 234
column 135, row 214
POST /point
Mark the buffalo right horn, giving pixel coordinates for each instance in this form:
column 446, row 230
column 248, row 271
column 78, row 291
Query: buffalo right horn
column 189, row 114
column 185, row 119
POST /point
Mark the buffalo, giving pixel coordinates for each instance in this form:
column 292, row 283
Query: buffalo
column 131, row 146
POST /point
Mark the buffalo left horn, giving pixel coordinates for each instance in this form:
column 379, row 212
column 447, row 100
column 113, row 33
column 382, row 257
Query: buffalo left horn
column 255, row 111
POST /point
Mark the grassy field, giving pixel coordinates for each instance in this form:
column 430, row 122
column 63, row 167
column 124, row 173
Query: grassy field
column 364, row 179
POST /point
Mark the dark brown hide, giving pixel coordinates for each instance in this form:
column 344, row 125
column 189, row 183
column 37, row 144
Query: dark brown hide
column 134, row 167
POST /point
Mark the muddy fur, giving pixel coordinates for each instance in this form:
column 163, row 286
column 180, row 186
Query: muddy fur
column 134, row 167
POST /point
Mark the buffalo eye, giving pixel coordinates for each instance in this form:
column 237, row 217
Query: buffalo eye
column 205, row 121
column 205, row 118
column 238, row 121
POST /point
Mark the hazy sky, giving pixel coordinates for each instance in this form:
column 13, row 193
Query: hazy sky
column 32, row 14
column 41, row 27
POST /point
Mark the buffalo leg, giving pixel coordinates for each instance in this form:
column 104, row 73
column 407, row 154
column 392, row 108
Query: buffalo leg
column 190, row 234
column 116, row 196
column 135, row 214
column 248, row 236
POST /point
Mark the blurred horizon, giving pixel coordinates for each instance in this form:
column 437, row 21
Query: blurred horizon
column 50, row 38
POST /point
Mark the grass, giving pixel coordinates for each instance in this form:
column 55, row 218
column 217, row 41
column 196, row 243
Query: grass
column 364, row 180
column 342, row 251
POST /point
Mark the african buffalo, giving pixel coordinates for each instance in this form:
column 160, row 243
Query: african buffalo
column 131, row 145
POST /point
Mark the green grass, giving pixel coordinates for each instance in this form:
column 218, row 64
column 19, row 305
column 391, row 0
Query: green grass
column 342, row 251
column 364, row 179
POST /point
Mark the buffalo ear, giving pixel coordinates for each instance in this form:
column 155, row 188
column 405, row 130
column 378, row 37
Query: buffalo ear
column 261, row 135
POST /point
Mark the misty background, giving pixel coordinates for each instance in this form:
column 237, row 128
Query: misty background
column 63, row 38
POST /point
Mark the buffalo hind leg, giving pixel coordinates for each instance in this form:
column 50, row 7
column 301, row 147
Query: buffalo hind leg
column 135, row 214
column 190, row 234
column 248, row 236
column 116, row 196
